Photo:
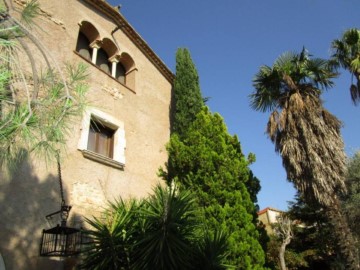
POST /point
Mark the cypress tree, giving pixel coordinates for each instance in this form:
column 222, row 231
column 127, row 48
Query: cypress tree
column 208, row 161
column 187, row 101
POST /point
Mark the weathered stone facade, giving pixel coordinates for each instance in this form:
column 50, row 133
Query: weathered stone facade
column 141, row 106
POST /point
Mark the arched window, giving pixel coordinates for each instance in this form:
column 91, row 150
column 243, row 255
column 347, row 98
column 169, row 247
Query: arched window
column 83, row 46
column 102, row 61
column 120, row 73
column 87, row 36
column 129, row 67
column 105, row 54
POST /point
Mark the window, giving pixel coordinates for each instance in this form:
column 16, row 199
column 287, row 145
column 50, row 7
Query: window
column 83, row 46
column 128, row 68
column 120, row 73
column 102, row 138
column 102, row 61
column 106, row 55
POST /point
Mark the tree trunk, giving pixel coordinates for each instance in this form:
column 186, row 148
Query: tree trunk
column 344, row 235
column 285, row 242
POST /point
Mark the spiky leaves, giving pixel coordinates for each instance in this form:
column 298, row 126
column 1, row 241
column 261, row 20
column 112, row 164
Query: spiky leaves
column 211, row 252
column 274, row 85
column 346, row 54
column 35, row 108
column 111, row 237
column 40, row 126
column 168, row 230
column 163, row 231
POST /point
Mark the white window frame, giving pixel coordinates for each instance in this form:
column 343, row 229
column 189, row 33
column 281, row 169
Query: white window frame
column 118, row 160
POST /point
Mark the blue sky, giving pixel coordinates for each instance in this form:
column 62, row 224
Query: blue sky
column 229, row 40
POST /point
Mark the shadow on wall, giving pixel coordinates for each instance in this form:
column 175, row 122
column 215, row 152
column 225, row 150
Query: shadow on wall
column 25, row 200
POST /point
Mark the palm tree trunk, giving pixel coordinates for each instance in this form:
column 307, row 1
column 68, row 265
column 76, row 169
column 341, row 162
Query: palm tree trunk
column 344, row 235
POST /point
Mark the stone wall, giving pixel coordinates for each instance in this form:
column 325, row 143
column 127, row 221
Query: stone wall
column 32, row 192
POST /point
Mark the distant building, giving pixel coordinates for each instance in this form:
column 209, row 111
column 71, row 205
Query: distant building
column 117, row 147
column 268, row 217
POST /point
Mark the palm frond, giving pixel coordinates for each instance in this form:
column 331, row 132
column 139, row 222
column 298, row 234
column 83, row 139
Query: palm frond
column 267, row 84
column 285, row 62
column 355, row 63
column 319, row 73
column 352, row 37
column 290, row 73
column 304, row 55
column 273, row 125
column 354, row 94
column 346, row 54
column 341, row 52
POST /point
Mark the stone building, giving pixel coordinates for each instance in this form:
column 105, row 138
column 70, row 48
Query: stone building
column 130, row 94
column 268, row 217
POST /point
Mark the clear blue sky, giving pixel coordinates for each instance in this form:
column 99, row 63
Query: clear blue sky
column 229, row 40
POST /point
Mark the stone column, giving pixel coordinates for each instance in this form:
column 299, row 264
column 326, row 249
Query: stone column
column 95, row 45
column 114, row 60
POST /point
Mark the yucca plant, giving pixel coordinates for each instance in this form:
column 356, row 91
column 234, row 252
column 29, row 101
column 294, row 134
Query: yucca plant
column 163, row 231
column 168, row 230
column 211, row 251
column 111, row 238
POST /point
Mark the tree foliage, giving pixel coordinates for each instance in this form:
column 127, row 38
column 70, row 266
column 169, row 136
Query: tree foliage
column 35, row 105
column 163, row 231
column 306, row 135
column 285, row 231
column 351, row 201
column 209, row 162
column 314, row 239
column 110, row 237
column 187, row 95
column 346, row 54
column 313, row 244
column 294, row 260
column 168, row 230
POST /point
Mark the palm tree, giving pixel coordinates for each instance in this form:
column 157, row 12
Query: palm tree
column 346, row 54
column 305, row 134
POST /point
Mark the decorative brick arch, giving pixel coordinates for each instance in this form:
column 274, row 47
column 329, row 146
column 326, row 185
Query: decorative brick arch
column 88, row 41
column 109, row 47
column 127, row 61
column 105, row 54
column 90, row 31
column 130, row 69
